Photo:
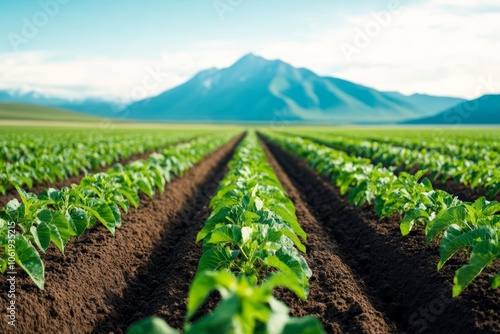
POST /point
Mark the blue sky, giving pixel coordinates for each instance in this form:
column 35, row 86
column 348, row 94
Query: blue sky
column 111, row 27
column 104, row 48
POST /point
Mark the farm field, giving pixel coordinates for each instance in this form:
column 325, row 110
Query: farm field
column 227, row 229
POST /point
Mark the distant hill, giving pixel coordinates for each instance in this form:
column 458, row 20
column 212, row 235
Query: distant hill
column 429, row 105
column 93, row 106
column 21, row 111
column 484, row 110
column 256, row 89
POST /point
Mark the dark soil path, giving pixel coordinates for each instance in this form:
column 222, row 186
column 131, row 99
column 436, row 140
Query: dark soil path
column 336, row 296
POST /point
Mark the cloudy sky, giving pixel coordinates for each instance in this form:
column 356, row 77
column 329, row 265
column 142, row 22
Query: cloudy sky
column 114, row 49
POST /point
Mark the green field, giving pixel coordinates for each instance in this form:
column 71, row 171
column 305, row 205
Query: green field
column 28, row 112
column 193, row 209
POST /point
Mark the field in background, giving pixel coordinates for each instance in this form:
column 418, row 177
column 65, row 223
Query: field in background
column 29, row 112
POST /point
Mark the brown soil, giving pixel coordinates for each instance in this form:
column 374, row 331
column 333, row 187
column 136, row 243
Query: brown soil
column 398, row 273
column 103, row 283
column 336, row 296
column 463, row 192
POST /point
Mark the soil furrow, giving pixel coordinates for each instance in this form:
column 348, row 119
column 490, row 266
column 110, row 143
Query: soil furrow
column 336, row 297
column 397, row 271
column 162, row 284
column 463, row 192
column 86, row 285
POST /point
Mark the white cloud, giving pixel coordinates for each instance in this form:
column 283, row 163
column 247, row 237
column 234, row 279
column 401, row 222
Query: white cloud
column 426, row 48
column 465, row 3
column 115, row 79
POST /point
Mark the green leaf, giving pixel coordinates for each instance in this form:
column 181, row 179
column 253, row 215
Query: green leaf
column 212, row 222
column 495, row 281
column 151, row 326
column 288, row 233
column 289, row 262
column 29, row 260
column 225, row 319
column 454, row 215
column 285, row 281
column 482, row 256
column 214, row 259
column 104, row 214
column 281, row 210
column 455, row 239
column 226, row 234
column 204, row 283
column 117, row 215
column 304, row 325
column 41, row 235
column 409, row 220
column 78, row 221
column 62, row 224
column 130, row 195
column 45, row 216
column 56, row 237
column 145, row 187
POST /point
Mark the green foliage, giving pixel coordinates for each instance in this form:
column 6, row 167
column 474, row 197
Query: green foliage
column 249, row 249
column 244, row 309
column 473, row 164
column 459, row 226
column 54, row 216
column 45, row 156
column 253, row 229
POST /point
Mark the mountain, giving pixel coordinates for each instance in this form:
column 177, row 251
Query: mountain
column 429, row 105
column 260, row 90
column 484, row 110
column 91, row 106
column 22, row 111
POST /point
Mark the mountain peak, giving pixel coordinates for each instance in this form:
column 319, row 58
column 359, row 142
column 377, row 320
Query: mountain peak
column 252, row 57
column 252, row 60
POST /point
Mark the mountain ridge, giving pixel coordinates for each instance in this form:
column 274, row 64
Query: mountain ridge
column 255, row 89
column 481, row 111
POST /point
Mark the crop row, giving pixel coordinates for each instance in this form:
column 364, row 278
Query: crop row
column 473, row 227
column 484, row 174
column 58, row 215
column 25, row 159
column 463, row 148
column 251, row 245
column 471, row 144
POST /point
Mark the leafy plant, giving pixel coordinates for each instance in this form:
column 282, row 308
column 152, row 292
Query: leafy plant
column 248, row 250
column 244, row 308
column 54, row 216
column 253, row 229
column 42, row 156
column 471, row 227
